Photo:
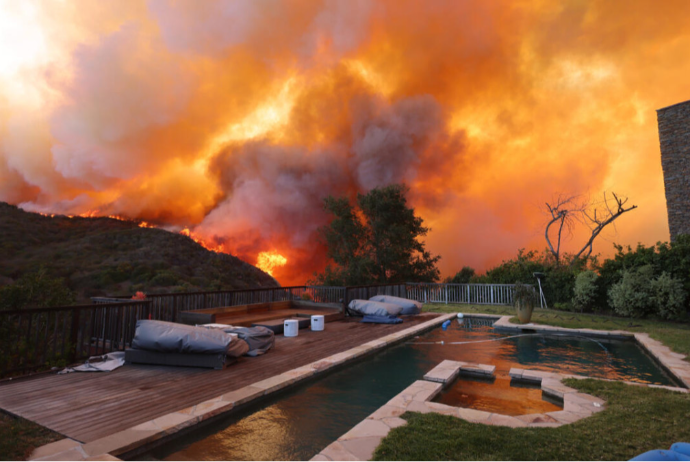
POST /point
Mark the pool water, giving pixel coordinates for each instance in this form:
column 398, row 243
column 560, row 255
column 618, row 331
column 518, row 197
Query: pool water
column 499, row 395
column 298, row 423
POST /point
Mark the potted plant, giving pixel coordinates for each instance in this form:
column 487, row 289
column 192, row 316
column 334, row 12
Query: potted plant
column 523, row 300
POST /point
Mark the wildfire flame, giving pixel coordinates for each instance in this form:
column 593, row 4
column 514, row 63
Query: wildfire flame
column 218, row 248
column 270, row 261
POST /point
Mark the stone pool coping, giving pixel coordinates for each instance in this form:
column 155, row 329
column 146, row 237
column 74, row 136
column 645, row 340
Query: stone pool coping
column 362, row 440
column 111, row 446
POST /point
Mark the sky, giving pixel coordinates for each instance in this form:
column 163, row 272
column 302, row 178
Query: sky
column 232, row 120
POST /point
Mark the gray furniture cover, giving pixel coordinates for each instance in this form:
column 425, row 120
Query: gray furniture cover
column 169, row 337
column 372, row 308
column 105, row 363
column 260, row 339
column 408, row 306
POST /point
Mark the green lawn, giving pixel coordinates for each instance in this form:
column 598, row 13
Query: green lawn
column 637, row 419
column 674, row 335
column 18, row 437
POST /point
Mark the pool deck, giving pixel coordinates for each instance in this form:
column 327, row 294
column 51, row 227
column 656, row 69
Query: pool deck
column 88, row 407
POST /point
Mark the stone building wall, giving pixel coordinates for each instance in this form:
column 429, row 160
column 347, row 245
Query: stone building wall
column 674, row 138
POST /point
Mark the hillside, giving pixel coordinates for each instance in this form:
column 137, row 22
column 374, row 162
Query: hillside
column 99, row 256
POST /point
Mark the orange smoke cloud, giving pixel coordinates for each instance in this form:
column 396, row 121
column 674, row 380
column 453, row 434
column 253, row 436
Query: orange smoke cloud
column 233, row 119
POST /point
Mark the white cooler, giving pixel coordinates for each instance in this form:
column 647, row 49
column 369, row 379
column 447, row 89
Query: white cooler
column 291, row 328
column 317, row 322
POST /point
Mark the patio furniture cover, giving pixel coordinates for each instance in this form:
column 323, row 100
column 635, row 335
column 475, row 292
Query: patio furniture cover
column 408, row 306
column 106, row 363
column 372, row 308
column 169, row 337
column 260, row 339
column 382, row 319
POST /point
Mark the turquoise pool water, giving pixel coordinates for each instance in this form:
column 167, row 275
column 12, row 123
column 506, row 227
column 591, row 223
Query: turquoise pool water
column 298, row 423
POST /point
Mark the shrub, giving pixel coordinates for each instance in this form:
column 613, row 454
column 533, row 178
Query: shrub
column 35, row 290
column 585, row 291
column 558, row 284
column 463, row 276
column 164, row 278
column 668, row 296
column 305, row 296
column 633, row 295
column 672, row 258
column 523, row 294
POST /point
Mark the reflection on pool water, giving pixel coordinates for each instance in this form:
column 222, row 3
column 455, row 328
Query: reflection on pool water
column 499, row 395
column 297, row 424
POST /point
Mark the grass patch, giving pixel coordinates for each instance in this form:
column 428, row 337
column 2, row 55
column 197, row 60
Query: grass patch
column 19, row 437
column 637, row 419
column 674, row 335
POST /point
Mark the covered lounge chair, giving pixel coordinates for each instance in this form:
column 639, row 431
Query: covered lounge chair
column 171, row 344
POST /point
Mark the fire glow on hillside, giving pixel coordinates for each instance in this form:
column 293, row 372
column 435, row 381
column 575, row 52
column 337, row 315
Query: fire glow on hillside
column 233, row 119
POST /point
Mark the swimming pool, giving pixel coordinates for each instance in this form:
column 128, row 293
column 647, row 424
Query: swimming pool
column 298, row 423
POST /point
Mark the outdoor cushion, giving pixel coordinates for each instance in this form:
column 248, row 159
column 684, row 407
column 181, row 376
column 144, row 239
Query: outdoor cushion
column 658, row 454
column 368, row 307
column 260, row 339
column 169, row 337
column 237, row 348
column 408, row 306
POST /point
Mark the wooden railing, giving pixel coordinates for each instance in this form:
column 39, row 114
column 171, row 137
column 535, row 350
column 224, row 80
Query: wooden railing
column 40, row 338
column 326, row 294
column 476, row 294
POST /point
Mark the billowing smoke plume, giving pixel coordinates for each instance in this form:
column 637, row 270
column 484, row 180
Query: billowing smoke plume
column 236, row 118
column 275, row 192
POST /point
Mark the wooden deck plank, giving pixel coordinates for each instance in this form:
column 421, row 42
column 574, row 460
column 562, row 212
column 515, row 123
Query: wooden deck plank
column 88, row 406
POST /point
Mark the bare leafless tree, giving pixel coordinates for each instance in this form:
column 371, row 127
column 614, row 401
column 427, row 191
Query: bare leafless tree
column 565, row 211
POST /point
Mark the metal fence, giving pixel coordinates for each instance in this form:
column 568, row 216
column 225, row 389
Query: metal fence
column 366, row 292
column 475, row 294
column 39, row 338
